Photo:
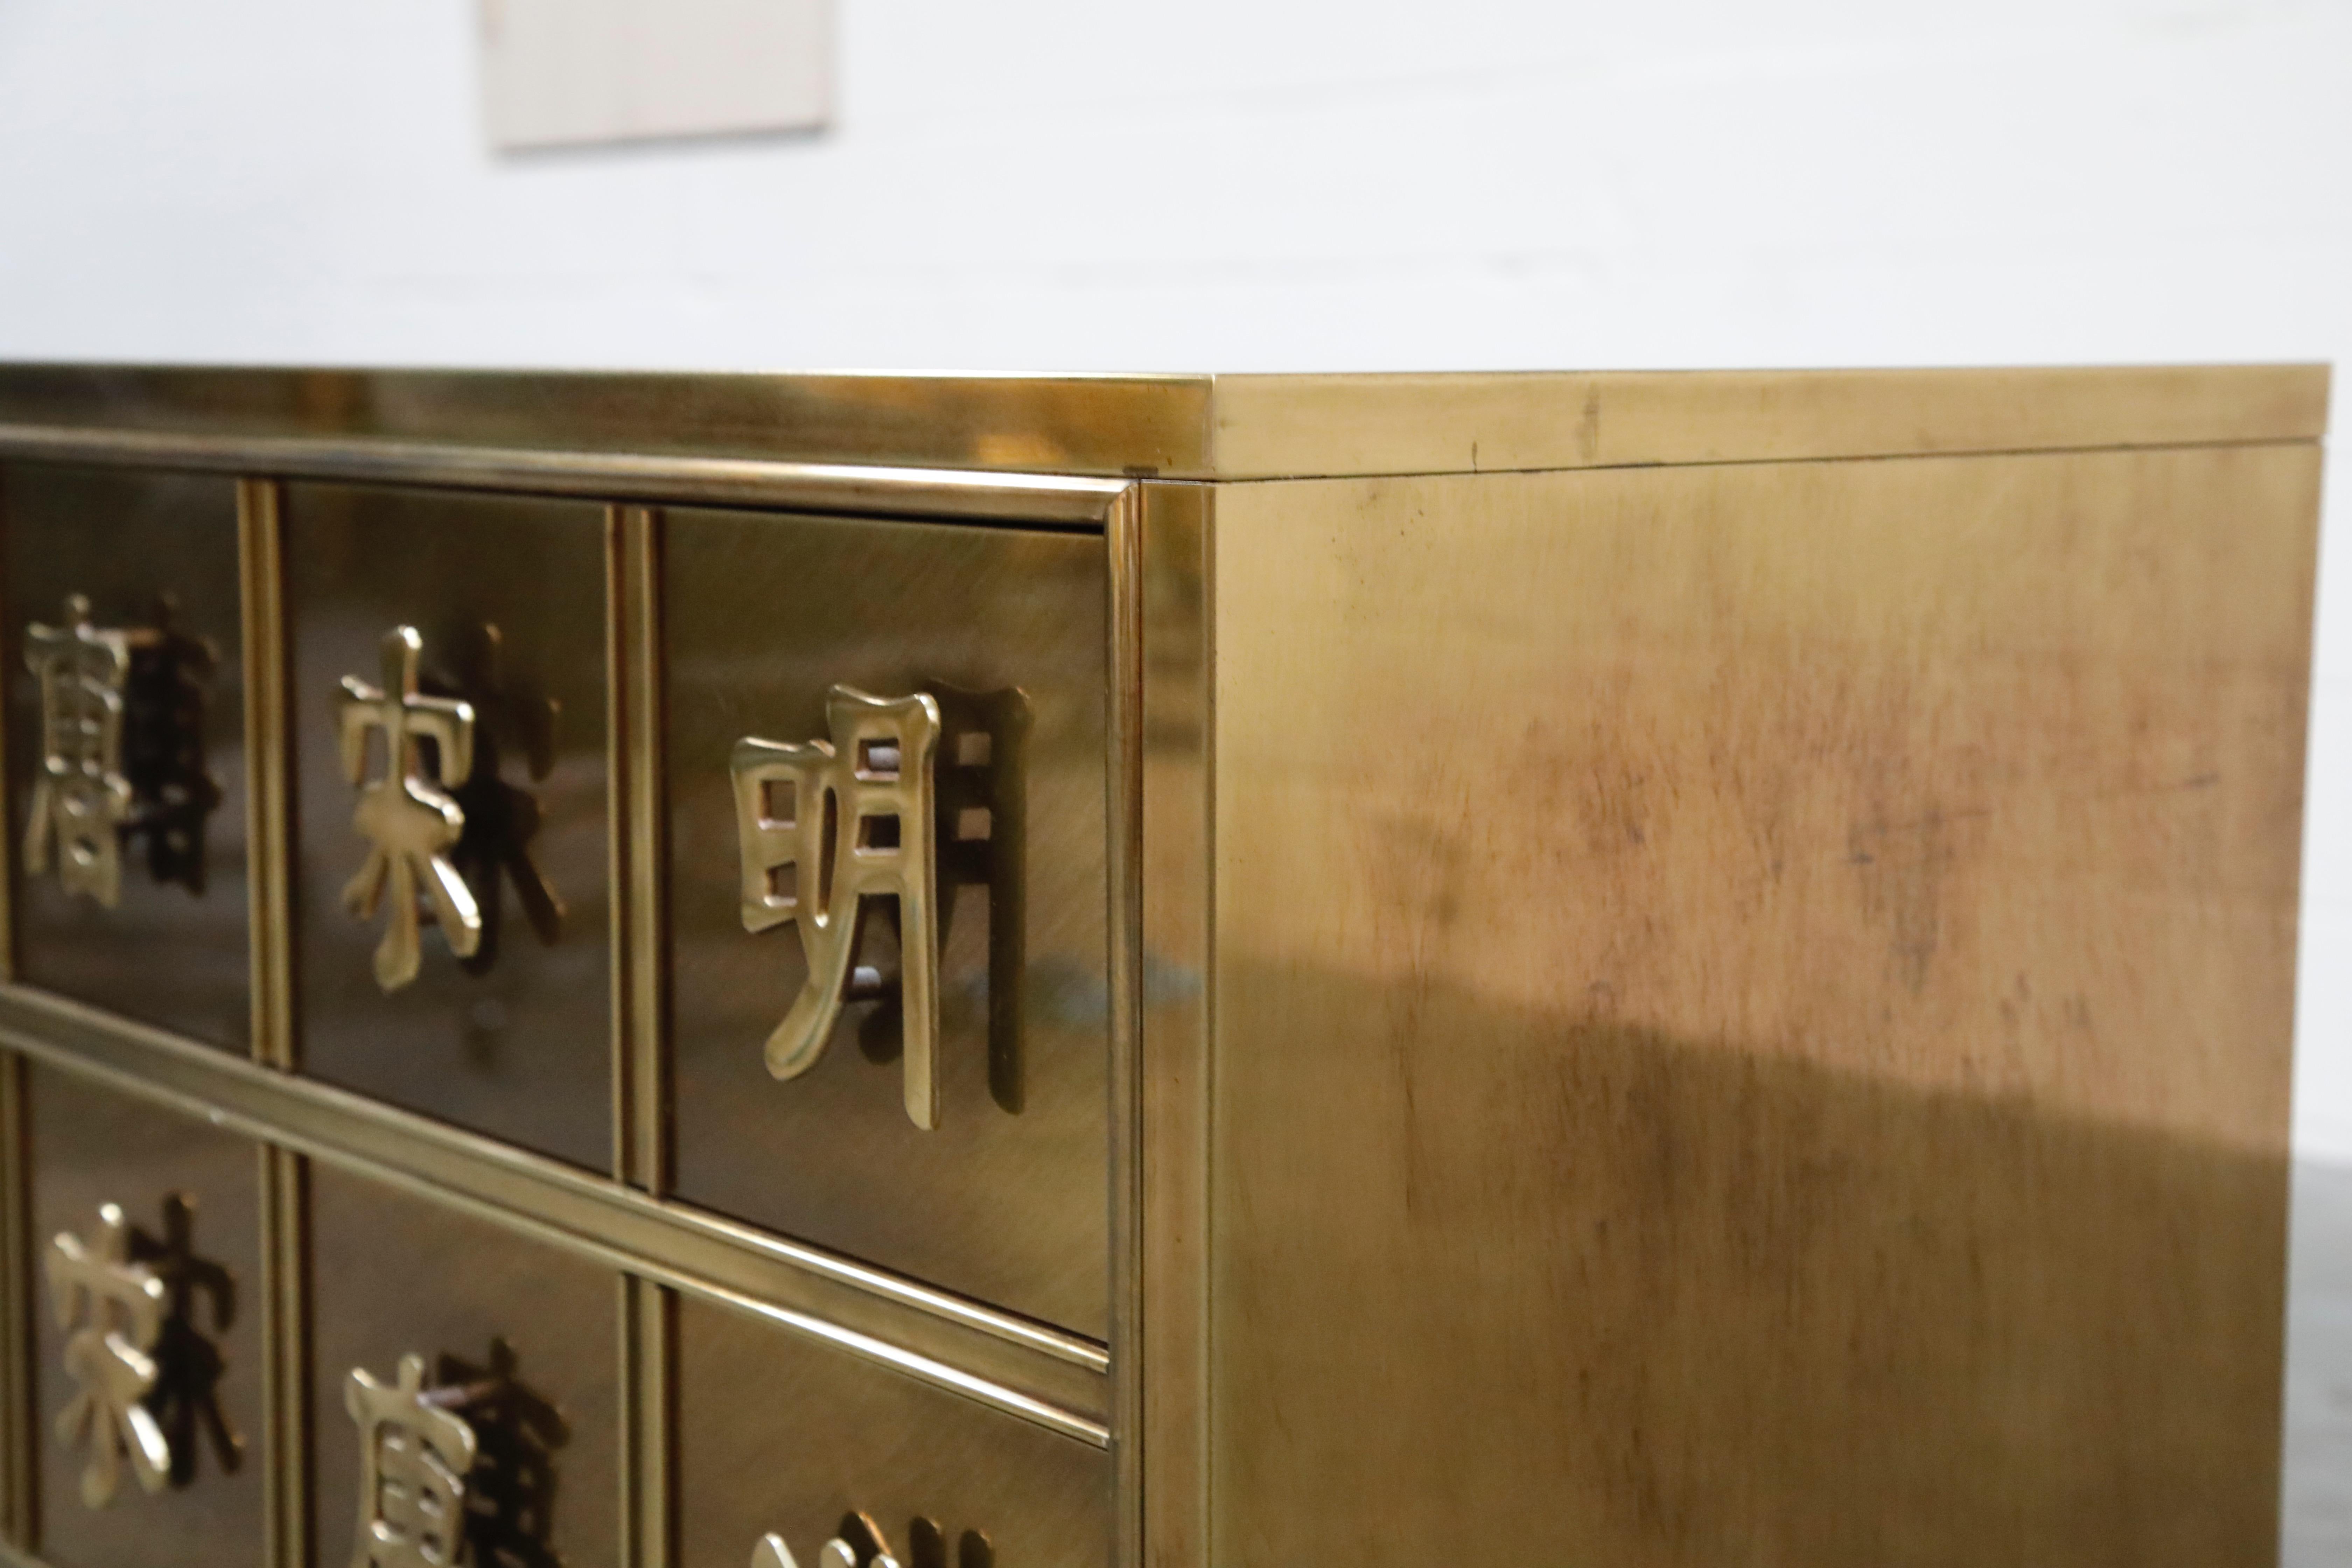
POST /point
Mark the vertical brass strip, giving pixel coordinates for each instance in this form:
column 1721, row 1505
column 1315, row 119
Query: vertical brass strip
column 261, row 548
column 19, row 1491
column 1124, row 813
column 1177, row 774
column 284, row 1175
column 18, row 1497
column 639, row 818
column 287, row 1512
column 640, row 822
column 648, row 1405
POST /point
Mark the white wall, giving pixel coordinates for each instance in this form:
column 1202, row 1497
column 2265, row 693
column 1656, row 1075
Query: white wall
column 1273, row 184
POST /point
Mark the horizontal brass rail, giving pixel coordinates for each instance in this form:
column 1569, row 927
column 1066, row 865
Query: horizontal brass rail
column 1057, row 1379
column 1037, row 501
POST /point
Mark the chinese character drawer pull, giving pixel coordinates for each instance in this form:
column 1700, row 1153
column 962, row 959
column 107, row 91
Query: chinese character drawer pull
column 859, row 1543
column 145, row 1378
column 824, row 826
column 434, row 814
column 415, row 1454
column 122, row 753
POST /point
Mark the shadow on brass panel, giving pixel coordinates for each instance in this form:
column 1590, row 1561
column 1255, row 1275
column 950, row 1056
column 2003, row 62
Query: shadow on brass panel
column 146, row 1375
column 446, row 830
column 909, row 797
column 458, row 1467
column 122, row 753
column 860, row 1543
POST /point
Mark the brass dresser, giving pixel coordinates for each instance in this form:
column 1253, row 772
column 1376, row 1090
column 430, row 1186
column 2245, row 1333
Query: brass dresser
column 825, row 972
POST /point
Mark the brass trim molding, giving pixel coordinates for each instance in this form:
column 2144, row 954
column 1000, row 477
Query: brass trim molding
column 761, row 437
column 1040, row 1373
column 1037, row 501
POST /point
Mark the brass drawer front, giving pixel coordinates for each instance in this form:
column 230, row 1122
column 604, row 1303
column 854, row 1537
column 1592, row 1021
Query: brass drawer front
column 526, row 1341
column 143, row 909
column 776, row 1436
column 174, row 1272
column 768, row 618
column 504, row 602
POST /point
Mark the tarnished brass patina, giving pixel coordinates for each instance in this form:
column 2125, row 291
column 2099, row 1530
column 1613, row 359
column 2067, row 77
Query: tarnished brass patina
column 415, row 1452
column 826, row 826
column 83, row 803
column 407, row 815
column 116, row 1309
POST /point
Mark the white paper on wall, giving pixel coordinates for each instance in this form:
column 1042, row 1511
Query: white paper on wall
column 560, row 72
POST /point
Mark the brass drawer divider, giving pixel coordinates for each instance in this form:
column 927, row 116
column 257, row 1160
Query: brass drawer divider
column 1042, row 1374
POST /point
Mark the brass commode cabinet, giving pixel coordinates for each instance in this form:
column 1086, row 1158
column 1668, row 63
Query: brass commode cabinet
column 825, row 971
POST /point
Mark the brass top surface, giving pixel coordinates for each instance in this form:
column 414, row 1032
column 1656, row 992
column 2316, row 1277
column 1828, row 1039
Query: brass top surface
column 1184, row 425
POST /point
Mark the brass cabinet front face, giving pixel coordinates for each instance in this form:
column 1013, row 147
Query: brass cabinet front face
column 465, row 768
column 779, row 1436
column 146, row 1266
column 771, row 619
column 126, row 743
column 517, row 1342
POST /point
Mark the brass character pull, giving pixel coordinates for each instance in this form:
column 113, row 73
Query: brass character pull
column 408, row 817
column 415, row 1453
column 116, row 1309
column 823, row 826
column 83, row 803
column 859, row 1543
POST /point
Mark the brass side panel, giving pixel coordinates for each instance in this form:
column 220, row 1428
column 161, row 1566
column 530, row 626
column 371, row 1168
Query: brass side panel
column 775, row 1434
column 1753, row 1011
column 394, row 1276
column 517, row 1042
column 91, row 1148
column 764, row 614
column 173, row 953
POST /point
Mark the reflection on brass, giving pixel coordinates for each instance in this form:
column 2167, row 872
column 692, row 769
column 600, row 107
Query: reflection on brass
column 188, row 1363
column 510, row 1496
column 119, row 1306
column 823, row 826
column 122, row 753
column 415, row 1453
column 501, row 820
column 860, row 1543
column 406, row 815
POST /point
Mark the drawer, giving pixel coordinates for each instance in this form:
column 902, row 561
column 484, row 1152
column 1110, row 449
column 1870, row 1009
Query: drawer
column 145, row 1225
column 503, row 599
column 778, row 1435
column 513, row 1385
column 126, row 768
column 775, row 623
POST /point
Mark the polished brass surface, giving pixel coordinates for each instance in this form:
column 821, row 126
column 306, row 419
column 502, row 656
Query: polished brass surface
column 779, row 1436
column 1011, row 1364
column 765, row 613
column 416, row 1457
column 406, row 814
column 825, row 826
column 523, row 1335
column 648, row 1423
column 288, row 1520
column 150, row 552
column 164, row 1383
column 1877, row 1151
column 508, row 598
column 417, row 426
